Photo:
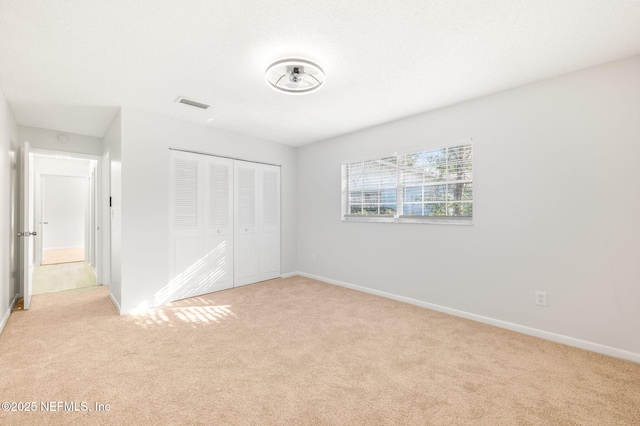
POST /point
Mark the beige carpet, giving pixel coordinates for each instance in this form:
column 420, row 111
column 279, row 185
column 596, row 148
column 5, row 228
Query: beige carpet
column 298, row 352
column 55, row 256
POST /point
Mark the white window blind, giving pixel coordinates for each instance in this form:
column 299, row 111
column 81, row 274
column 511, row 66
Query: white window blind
column 431, row 184
column 372, row 187
column 437, row 182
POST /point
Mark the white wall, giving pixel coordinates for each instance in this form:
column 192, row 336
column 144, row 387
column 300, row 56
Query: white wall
column 48, row 165
column 48, row 139
column 8, row 210
column 556, row 205
column 113, row 144
column 64, row 207
column 146, row 139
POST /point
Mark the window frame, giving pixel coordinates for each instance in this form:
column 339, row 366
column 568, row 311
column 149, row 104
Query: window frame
column 399, row 216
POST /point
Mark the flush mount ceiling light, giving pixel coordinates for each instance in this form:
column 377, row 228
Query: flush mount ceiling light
column 295, row 76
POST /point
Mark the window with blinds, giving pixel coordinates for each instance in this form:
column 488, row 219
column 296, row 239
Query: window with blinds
column 435, row 184
column 372, row 187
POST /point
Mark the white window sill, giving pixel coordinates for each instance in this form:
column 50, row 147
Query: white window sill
column 430, row 220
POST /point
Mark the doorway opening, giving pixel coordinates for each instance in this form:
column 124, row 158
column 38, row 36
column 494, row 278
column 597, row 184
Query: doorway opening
column 63, row 210
column 65, row 216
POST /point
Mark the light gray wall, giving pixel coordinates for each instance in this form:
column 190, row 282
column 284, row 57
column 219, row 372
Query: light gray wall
column 556, row 209
column 48, row 139
column 49, row 165
column 113, row 144
column 146, row 139
column 8, row 209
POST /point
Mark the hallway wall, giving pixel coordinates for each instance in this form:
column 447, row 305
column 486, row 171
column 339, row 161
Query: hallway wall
column 8, row 205
column 48, row 139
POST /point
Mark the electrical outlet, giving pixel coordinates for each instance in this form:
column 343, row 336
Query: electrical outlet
column 541, row 298
column 314, row 258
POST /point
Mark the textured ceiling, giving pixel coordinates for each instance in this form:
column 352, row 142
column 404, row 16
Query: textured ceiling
column 68, row 65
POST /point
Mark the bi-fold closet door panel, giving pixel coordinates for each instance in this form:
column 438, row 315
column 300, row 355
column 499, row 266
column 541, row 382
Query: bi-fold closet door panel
column 269, row 200
column 225, row 223
column 257, row 222
column 201, row 257
column 246, row 224
column 218, row 200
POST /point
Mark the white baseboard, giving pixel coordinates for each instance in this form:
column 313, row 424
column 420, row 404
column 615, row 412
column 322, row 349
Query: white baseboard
column 559, row 338
column 7, row 314
column 289, row 274
column 115, row 302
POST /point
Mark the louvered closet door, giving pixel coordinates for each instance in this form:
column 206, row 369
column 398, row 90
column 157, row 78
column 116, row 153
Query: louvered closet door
column 201, row 255
column 186, row 225
column 270, row 223
column 218, row 208
column 246, row 218
column 257, row 222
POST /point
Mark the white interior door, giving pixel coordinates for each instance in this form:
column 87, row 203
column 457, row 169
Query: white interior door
column 270, row 223
column 90, row 229
column 257, row 222
column 246, row 224
column 37, row 200
column 28, row 233
column 104, row 270
column 225, row 224
column 201, row 255
column 218, row 221
column 65, row 210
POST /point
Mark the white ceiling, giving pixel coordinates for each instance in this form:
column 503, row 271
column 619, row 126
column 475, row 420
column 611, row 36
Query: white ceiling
column 68, row 65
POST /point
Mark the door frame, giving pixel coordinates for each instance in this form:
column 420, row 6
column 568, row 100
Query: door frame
column 26, row 220
column 100, row 199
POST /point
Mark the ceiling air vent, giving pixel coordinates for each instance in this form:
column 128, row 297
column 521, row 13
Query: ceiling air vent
column 183, row 100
